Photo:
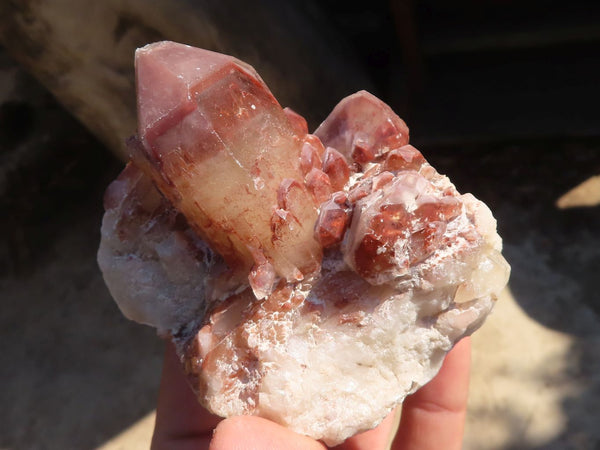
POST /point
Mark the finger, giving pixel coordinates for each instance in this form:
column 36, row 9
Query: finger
column 375, row 439
column 251, row 432
column 181, row 422
column 434, row 416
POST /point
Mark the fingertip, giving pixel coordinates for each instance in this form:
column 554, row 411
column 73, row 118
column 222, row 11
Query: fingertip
column 379, row 437
column 251, row 432
column 434, row 416
column 181, row 422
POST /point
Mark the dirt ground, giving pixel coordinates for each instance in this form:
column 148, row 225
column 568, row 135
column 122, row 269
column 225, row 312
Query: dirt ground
column 76, row 375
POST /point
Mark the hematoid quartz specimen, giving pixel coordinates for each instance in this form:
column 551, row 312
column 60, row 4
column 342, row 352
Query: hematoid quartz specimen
column 312, row 279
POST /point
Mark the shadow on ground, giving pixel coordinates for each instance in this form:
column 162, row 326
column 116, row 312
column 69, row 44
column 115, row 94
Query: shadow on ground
column 74, row 371
column 555, row 259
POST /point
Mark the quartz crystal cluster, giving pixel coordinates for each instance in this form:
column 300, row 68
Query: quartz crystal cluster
column 312, row 279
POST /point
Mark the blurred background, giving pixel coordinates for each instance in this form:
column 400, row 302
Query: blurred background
column 500, row 95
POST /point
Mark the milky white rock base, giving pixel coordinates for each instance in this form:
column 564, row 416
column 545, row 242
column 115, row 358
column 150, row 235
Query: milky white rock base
column 321, row 368
column 312, row 279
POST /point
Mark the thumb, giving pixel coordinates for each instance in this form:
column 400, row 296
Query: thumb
column 251, row 432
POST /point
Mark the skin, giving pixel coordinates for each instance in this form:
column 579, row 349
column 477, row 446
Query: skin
column 432, row 418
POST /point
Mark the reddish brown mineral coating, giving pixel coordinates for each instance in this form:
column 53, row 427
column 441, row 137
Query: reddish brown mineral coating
column 336, row 168
column 404, row 158
column 380, row 203
column 350, row 265
column 312, row 153
column 401, row 223
column 319, row 185
column 333, row 220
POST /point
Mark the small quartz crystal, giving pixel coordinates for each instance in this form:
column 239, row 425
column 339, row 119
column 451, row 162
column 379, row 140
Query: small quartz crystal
column 312, row 279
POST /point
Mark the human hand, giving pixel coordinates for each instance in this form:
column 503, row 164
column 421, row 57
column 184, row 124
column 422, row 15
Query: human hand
column 432, row 418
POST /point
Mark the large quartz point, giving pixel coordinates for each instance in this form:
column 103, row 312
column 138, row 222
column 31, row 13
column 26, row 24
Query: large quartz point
column 221, row 149
column 312, row 279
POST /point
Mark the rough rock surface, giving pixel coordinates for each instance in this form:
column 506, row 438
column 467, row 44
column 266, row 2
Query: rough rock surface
column 312, row 279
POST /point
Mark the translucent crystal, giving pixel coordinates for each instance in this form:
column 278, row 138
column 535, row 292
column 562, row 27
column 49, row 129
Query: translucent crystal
column 362, row 128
